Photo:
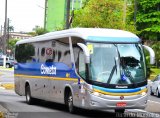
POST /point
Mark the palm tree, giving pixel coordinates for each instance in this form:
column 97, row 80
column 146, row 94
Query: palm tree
column 10, row 29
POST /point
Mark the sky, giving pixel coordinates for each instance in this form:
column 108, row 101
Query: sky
column 24, row 15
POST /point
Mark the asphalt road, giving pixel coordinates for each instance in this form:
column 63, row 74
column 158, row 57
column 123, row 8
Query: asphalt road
column 6, row 75
column 16, row 106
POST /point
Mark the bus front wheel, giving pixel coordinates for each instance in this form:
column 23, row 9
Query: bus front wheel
column 29, row 99
column 71, row 108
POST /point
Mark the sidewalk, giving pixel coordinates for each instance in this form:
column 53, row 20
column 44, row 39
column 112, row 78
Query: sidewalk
column 6, row 85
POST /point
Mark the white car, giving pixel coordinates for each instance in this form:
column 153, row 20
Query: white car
column 155, row 86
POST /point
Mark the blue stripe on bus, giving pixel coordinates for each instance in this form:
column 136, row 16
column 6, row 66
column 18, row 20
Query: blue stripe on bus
column 119, row 90
column 34, row 69
column 114, row 39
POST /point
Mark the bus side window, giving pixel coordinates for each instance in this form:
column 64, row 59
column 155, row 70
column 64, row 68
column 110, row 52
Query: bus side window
column 82, row 68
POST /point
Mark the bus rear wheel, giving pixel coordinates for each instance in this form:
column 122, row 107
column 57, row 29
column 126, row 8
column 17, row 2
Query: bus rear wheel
column 29, row 99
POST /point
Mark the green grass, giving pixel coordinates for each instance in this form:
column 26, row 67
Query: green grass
column 154, row 73
column 1, row 67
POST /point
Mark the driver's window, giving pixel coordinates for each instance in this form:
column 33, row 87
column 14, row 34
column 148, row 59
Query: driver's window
column 82, row 69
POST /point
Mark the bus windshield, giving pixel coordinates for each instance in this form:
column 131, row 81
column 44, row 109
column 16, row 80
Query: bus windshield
column 117, row 63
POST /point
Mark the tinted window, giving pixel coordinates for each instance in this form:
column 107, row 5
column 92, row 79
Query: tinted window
column 55, row 51
column 24, row 53
column 64, row 55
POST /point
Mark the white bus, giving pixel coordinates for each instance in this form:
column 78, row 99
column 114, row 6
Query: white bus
column 90, row 68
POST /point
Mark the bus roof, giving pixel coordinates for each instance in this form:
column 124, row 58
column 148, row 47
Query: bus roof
column 88, row 34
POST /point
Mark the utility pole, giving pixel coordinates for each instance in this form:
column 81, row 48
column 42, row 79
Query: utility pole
column 7, row 34
column 5, row 30
column 45, row 13
column 1, row 41
column 1, row 30
column 135, row 11
column 68, row 14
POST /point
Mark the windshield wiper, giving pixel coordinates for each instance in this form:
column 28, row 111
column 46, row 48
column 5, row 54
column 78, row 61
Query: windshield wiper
column 110, row 76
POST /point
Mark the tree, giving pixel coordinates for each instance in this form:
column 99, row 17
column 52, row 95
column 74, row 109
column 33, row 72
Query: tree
column 103, row 14
column 38, row 31
column 10, row 28
column 11, row 44
column 100, row 13
column 148, row 19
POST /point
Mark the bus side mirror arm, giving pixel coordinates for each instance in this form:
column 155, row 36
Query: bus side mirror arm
column 86, row 52
column 151, row 52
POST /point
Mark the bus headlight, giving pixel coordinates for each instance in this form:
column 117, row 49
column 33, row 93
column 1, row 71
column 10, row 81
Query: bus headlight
column 97, row 94
column 143, row 93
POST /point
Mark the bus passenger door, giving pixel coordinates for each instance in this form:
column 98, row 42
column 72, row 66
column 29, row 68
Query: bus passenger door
column 81, row 70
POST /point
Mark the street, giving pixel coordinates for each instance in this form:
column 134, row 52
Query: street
column 15, row 106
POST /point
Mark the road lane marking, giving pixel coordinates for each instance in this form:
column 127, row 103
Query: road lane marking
column 154, row 102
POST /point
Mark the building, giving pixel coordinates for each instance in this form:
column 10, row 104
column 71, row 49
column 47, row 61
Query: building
column 18, row 35
column 12, row 35
column 56, row 13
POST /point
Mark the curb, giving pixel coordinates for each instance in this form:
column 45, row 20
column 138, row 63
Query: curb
column 7, row 86
column 2, row 112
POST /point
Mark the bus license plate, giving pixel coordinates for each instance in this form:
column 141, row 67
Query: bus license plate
column 121, row 104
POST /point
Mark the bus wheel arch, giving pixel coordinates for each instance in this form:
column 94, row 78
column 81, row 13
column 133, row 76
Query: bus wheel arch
column 29, row 98
column 68, row 99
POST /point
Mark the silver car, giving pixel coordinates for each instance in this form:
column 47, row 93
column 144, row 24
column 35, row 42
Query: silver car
column 155, row 86
column 9, row 62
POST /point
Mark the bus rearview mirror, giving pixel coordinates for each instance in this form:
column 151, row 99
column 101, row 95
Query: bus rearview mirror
column 151, row 52
column 86, row 52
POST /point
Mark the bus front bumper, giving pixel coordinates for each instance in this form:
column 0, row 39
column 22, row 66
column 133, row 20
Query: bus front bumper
column 115, row 102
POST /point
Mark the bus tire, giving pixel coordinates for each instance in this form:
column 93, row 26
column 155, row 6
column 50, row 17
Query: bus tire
column 70, row 105
column 29, row 99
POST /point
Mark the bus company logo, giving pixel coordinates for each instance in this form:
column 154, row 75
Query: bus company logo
column 122, row 97
column 51, row 70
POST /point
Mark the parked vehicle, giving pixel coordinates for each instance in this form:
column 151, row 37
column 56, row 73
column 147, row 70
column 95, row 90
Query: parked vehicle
column 9, row 62
column 155, row 86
